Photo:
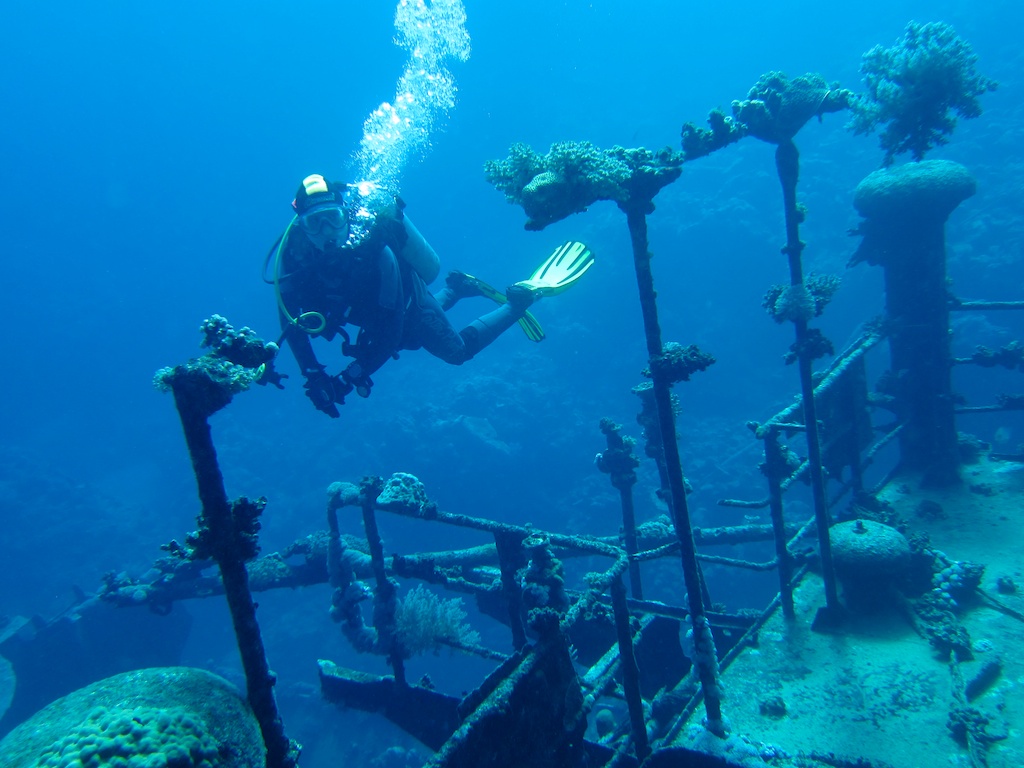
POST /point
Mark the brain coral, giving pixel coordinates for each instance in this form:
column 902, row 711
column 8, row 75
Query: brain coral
column 173, row 717
column 140, row 738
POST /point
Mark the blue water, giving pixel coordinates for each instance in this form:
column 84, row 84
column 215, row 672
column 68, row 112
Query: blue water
column 150, row 153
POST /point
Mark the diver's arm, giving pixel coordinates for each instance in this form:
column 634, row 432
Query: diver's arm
column 288, row 287
column 300, row 345
column 418, row 253
column 322, row 390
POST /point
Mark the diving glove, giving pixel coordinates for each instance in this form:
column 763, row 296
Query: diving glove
column 325, row 391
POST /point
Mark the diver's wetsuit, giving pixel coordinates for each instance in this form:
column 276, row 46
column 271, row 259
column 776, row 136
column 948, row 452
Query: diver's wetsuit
column 373, row 287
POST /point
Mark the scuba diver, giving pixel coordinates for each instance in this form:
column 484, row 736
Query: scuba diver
column 337, row 264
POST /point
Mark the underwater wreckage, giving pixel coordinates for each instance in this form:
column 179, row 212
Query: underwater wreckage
column 879, row 648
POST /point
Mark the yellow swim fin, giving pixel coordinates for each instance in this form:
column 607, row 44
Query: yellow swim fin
column 561, row 270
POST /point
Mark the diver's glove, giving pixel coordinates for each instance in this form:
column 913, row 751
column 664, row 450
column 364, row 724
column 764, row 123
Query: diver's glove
column 325, row 391
column 266, row 374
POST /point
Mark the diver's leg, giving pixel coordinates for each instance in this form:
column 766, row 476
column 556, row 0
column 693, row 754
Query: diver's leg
column 428, row 327
column 432, row 330
column 485, row 329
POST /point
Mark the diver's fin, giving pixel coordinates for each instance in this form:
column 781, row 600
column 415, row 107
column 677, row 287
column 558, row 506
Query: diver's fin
column 531, row 327
column 480, row 288
column 562, row 268
column 528, row 322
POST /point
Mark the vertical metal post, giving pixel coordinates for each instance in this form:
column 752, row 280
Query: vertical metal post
column 196, row 398
column 620, row 464
column 706, row 663
column 787, row 161
column 510, row 559
column 385, row 595
column 775, row 467
column 630, row 671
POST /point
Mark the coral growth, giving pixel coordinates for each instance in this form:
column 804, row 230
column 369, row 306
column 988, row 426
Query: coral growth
column 242, row 347
column 814, row 345
column 570, row 177
column 776, row 108
column 543, row 585
column 618, row 460
column 801, row 302
column 677, row 363
column 575, row 174
column 956, row 580
column 169, row 717
column 425, row 622
column 140, row 738
column 789, row 302
column 917, row 88
column 699, row 142
column 240, row 541
column 236, row 361
column 403, row 491
column 929, row 190
column 1010, row 356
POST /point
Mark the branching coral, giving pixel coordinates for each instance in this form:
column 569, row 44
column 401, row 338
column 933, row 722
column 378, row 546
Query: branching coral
column 917, row 88
column 789, row 302
column 700, row 142
column 575, row 174
column 570, row 177
column 813, row 345
column 677, row 363
column 242, row 347
column 801, row 302
column 236, row 361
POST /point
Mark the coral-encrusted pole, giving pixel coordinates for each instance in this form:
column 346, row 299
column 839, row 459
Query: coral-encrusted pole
column 775, row 468
column 620, row 464
column 775, row 109
column 916, row 90
column 227, row 530
column 704, row 657
column 809, row 345
column 630, row 670
column 572, row 176
column 905, row 210
column 386, row 593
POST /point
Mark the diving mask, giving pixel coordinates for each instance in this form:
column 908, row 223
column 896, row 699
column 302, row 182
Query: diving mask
column 325, row 224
